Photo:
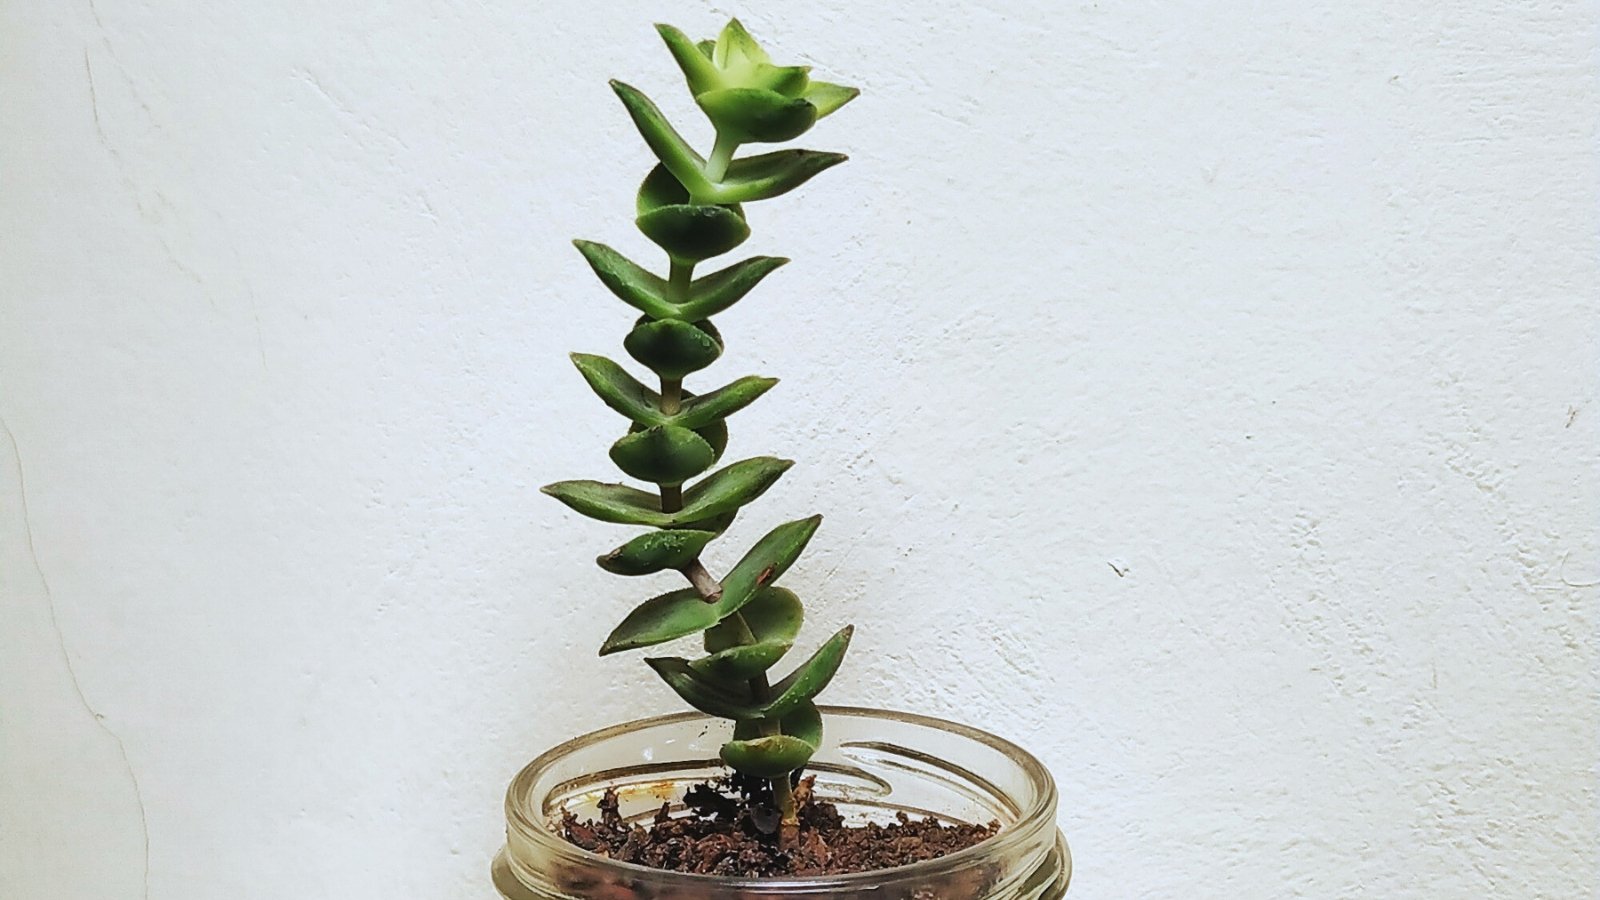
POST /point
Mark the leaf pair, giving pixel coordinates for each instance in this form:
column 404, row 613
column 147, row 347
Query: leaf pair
column 681, row 613
column 719, row 493
column 756, row 750
column 745, row 96
column 652, row 295
column 753, row 178
column 724, row 699
column 641, row 405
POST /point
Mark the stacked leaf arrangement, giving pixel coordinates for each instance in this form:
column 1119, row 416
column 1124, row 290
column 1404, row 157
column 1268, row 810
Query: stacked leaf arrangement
column 692, row 207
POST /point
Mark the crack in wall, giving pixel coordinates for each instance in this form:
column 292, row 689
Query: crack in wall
column 66, row 658
column 127, row 180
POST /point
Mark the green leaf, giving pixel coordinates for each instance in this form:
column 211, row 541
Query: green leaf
column 664, row 140
column 767, row 757
column 769, row 558
column 698, row 70
column 805, row 723
column 716, row 434
column 656, row 551
column 713, row 524
column 630, row 282
column 729, row 701
column 829, row 97
column 664, row 454
column 620, row 391
column 741, row 662
column 673, row 348
column 611, row 502
column 660, row 619
column 773, row 615
column 722, row 402
column 731, row 487
column 754, row 115
column 707, row 48
column 692, row 232
column 769, row 622
column 769, row 175
column 790, row 81
column 688, row 230
column 716, row 292
column 813, row 675
column 737, row 50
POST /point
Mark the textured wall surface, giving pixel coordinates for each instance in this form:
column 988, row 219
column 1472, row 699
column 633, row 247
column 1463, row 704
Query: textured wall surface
column 1201, row 394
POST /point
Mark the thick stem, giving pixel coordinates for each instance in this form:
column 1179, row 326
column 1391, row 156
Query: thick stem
column 721, row 157
column 710, row 590
column 671, row 395
column 782, row 790
column 679, row 277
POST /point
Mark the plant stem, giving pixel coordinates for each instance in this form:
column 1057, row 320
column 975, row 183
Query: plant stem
column 782, row 790
column 678, row 280
column 709, row 588
column 721, row 157
column 671, row 395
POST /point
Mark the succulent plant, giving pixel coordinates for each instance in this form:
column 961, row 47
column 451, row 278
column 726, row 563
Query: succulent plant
column 691, row 206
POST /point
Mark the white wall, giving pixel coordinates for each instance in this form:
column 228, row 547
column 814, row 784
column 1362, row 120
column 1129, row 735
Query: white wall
column 1202, row 394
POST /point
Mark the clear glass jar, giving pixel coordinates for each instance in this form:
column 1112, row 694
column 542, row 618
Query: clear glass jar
column 872, row 765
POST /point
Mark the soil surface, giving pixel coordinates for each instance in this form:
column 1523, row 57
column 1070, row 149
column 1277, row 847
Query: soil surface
column 731, row 829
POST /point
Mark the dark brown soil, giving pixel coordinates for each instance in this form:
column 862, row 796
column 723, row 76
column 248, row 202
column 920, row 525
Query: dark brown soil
column 730, row 829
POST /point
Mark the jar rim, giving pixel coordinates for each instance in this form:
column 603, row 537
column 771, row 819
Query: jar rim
column 1033, row 819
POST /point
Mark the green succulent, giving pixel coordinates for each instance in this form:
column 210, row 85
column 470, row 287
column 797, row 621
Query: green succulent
column 691, row 206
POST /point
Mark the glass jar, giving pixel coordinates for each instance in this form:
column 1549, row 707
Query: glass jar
column 872, row 765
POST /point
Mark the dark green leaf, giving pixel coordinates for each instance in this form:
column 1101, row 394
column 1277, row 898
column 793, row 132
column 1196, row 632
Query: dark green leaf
column 729, row 701
column 741, row 662
column 713, row 524
column 697, row 67
column 673, row 348
column 719, row 290
column 664, row 140
column 766, row 757
column 610, row 502
column 754, row 115
column 722, row 402
column 716, row 434
column 813, row 675
column 664, row 454
column 774, row 614
column 620, row 391
column 633, row 285
column 656, row 551
column 729, row 488
column 805, row 723
column 769, row 175
column 829, row 97
column 769, row 558
column 691, row 232
column 660, row 619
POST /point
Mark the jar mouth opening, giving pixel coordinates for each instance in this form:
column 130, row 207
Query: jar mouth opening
column 1032, row 819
